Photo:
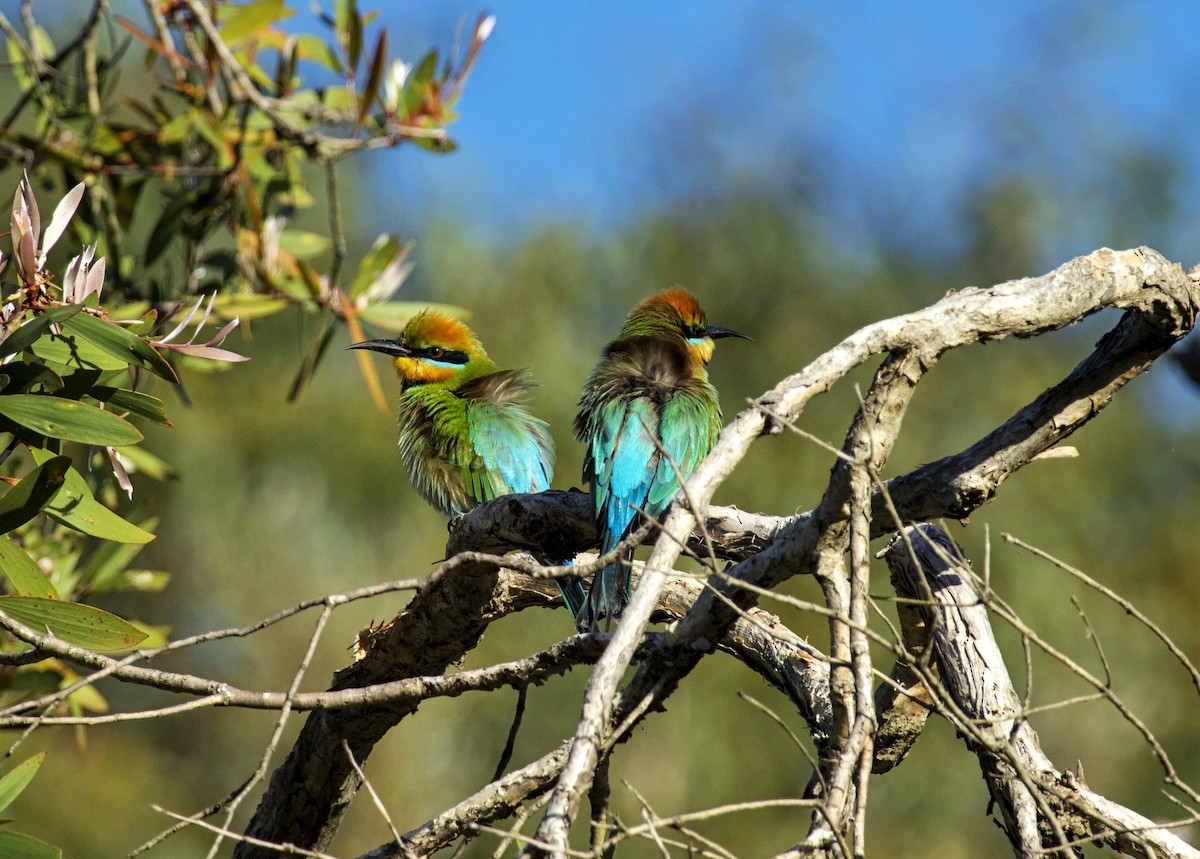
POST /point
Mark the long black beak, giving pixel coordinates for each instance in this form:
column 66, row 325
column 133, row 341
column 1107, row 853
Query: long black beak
column 716, row 332
column 387, row 347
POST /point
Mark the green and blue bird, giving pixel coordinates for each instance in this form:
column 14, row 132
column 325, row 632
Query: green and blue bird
column 648, row 415
column 465, row 434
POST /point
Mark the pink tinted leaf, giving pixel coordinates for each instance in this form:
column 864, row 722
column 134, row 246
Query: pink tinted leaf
column 210, row 352
column 69, row 280
column 95, row 280
column 25, row 194
column 220, row 336
column 63, row 213
column 175, row 332
column 119, row 471
column 26, row 257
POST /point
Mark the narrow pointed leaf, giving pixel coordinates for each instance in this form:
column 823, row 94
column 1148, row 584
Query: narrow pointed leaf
column 68, row 420
column 18, row 845
column 134, row 402
column 119, row 343
column 75, row 507
column 252, row 19
column 374, row 77
column 63, row 213
column 25, row 336
column 78, row 624
column 15, row 780
column 394, row 315
column 25, row 500
column 23, row 573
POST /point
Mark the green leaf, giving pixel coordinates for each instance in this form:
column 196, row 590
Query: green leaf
column 17, row 845
column 23, row 573
column 166, row 228
column 25, row 336
column 248, row 306
column 317, row 49
column 425, row 69
column 134, row 402
column 20, row 377
column 252, row 18
column 374, row 77
column 16, row 61
column 16, row 779
column 303, row 245
column 382, row 252
column 75, row 507
column 119, row 343
column 394, row 315
column 68, row 420
column 78, row 624
column 73, row 352
column 35, row 490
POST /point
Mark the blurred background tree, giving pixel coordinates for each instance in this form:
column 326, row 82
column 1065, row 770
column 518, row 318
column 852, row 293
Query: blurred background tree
column 761, row 153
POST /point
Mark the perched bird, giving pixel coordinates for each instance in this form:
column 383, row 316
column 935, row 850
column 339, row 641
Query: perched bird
column 648, row 415
column 465, row 435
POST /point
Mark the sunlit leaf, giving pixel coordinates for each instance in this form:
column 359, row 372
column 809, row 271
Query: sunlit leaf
column 119, row 343
column 316, row 49
column 383, row 252
column 68, row 420
column 28, row 333
column 250, row 19
column 15, row 780
column 248, row 306
column 70, row 351
column 78, row 624
column 63, row 213
column 75, row 507
column 34, row 491
column 394, row 315
column 304, row 245
column 23, row 573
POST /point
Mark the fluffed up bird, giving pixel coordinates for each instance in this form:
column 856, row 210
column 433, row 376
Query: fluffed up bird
column 648, row 415
column 465, row 435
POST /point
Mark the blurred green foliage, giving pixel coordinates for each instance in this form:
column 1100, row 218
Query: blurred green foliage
column 277, row 503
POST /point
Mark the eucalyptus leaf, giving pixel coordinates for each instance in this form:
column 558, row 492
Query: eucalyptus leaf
column 34, row 491
column 15, row 780
column 75, row 623
column 27, row 334
column 68, row 420
column 394, row 315
column 119, row 343
column 134, row 402
column 75, row 507
column 17, row 845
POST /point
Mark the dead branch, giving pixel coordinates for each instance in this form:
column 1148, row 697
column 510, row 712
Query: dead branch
column 1022, row 781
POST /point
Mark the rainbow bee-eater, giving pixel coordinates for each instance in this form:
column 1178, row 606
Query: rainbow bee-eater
column 465, row 434
column 648, row 415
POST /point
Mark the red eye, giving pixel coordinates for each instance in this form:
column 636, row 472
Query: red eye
column 436, row 352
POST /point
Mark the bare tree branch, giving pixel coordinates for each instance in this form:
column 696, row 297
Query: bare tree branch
column 1022, row 780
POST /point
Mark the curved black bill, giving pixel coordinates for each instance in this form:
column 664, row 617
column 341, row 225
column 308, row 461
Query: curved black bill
column 387, row 347
column 716, row 332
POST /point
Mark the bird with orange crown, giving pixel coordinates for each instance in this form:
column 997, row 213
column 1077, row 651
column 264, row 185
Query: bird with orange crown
column 465, row 434
column 648, row 415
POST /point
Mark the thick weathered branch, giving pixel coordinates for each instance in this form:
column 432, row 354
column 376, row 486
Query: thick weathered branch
column 1022, row 780
column 1161, row 304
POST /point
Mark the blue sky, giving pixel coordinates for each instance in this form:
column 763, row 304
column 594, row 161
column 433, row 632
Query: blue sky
column 582, row 110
